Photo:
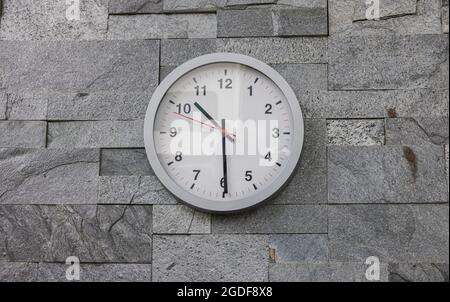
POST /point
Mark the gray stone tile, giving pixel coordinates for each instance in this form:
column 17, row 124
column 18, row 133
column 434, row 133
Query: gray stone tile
column 298, row 248
column 42, row 176
column 417, row 131
column 379, row 174
column 303, row 3
column 273, row 219
column 445, row 19
column 393, row 233
column 210, row 258
column 279, row 50
column 308, row 186
column 48, row 20
column 26, row 106
column 175, row 52
column 22, row 134
column 87, row 66
column 99, row 134
column 162, row 26
column 117, row 162
column 180, row 219
column 56, row 272
column 132, row 190
column 322, row 272
column 418, row 272
column 208, row 5
column 2, row 106
column 374, row 104
column 135, row 6
column 426, row 20
column 301, row 22
column 304, row 76
column 245, row 23
column 355, row 132
column 314, row 152
column 91, row 233
column 388, row 8
column 98, row 106
column 352, row 61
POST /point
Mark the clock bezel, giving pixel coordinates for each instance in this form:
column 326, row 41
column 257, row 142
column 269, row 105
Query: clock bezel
column 265, row 193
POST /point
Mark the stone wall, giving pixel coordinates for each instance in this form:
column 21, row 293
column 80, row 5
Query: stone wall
column 373, row 180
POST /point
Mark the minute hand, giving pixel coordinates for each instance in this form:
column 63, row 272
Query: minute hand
column 213, row 121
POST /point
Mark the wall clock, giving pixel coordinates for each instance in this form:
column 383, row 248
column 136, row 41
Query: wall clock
column 224, row 132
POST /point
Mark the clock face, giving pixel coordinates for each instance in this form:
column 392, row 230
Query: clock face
column 224, row 132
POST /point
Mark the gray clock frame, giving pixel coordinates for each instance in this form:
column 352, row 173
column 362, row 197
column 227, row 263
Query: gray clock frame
column 265, row 193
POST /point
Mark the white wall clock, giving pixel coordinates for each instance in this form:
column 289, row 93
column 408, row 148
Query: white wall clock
column 224, row 132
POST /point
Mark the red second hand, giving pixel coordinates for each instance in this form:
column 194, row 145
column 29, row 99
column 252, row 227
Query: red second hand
column 231, row 136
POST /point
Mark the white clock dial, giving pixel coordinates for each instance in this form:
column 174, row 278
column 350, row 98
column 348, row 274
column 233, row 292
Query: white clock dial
column 224, row 134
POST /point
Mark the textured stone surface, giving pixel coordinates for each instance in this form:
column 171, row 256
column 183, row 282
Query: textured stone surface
column 135, row 6
column 175, row 52
column 388, row 8
column 92, row 233
column 380, row 174
column 208, row 5
column 22, row 134
column 301, row 22
column 418, row 272
column 180, row 219
column 417, row 131
column 427, row 19
column 308, row 186
column 304, row 76
column 445, row 19
column 2, row 106
column 210, row 258
column 132, row 190
column 394, row 233
column 298, row 248
column 158, row 26
column 94, row 66
column 26, row 106
column 352, row 62
column 314, row 152
column 116, row 162
column 374, row 104
column 270, row 219
column 355, row 132
column 102, row 134
column 98, row 106
column 245, row 23
column 322, row 272
column 50, row 20
column 48, row 176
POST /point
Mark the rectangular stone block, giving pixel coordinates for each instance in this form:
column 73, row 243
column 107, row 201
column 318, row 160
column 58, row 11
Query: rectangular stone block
column 322, row 271
column 210, row 258
column 118, row 162
column 308, row 186
column 94, row 66
column 288, row 248
column 208, row 5
column 314, row 153
column 98, row 106
column 26, row 106
column 301, row 22
column 175, row 52
column 355, row 132
column 101, row 134
column 388, row 8
column 278, row 50
column 135, row 6
column 374, row 104
column 2, row 106
column 56, row 272
column 445, row 19
column 418, row 272
column 352, row 61
column 417, row 131
column 304, row 76
column 180, row 219
column 45, row 176
column 393, row 233
column 272, row 219
column 426, row 19
column 245, row 23
column 380, row 174
column 91, row 233
column 159, row 26
column 22, row 134
column 132, row 190
column 51, row 20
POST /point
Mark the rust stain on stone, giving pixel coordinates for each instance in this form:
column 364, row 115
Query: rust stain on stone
column 392, row 113
column 272, row 255
column 411, row 157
